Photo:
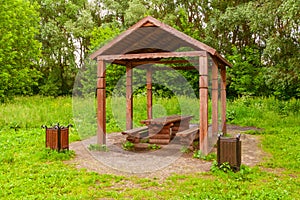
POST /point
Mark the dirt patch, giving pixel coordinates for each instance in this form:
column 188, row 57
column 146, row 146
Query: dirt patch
column 252, row 155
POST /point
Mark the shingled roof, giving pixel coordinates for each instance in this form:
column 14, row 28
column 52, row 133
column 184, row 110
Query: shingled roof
column 152, row 36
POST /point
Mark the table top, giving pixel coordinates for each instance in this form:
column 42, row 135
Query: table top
column 167, row 119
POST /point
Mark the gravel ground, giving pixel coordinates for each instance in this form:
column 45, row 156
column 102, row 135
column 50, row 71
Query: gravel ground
column 158, row 164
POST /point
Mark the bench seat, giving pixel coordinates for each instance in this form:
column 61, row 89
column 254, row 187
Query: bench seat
column 135, row 130
column 134, row 135
column 167, row 120
column 188, row 135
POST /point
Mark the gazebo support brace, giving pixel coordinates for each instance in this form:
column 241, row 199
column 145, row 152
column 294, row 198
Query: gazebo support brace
column 203, row 95
column 101, row 103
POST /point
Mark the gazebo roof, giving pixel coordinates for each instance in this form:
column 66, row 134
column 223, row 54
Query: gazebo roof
column 152, row 36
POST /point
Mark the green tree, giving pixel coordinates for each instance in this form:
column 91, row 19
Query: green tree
column 87, row 76
column 246, row 75
column 115, row 10
column 282, row 43
column 65, row 32
column 19, row 49
column 270, row 27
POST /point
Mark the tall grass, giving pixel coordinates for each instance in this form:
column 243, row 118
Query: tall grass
column 264, row 112
column 280, row 121
column 116, row 109
column 32, row 112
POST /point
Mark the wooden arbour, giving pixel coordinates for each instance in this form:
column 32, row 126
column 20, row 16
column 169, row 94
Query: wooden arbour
column 152, row 42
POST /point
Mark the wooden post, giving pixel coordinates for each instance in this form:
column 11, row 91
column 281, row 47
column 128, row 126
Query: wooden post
column 149, row 93
column 214, row 98
column 129, row 97
column 203, row 95
column 101, row 103
column 223, row 99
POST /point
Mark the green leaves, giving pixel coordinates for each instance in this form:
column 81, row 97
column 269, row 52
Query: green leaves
column 19, row 49
column 66, row 28
column 246, row 75
column 135, row 12
column 271, row 30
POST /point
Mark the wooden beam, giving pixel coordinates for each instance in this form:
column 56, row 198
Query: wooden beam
column 142, row 62
column 152, row 55
column 149, row 94
column 223, row 99
column 192, row 62
column 129, row 97
column 203, row 112
column 214, row 99
column 157, row 68
column 101, row 103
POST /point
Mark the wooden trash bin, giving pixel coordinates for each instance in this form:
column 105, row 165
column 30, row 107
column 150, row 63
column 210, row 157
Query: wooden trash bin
column 57, row 137
column 229, row 150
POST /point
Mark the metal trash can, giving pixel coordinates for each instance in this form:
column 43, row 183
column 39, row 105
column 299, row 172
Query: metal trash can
column 229, row 150
column 57, row 137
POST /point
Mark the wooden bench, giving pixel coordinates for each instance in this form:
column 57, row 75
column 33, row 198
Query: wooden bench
column 134, row 135
column 188, row 136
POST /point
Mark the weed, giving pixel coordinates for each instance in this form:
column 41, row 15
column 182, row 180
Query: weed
column 214, row 167
column 144, row 140
column 185, row 150
column 198, row 154
column 97, row 147
column 154, row 147
column 196, row 144
column 210, row 157
column 128, row 146
column 225, row 167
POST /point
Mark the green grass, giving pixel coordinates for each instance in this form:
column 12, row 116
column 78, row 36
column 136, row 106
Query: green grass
column 280, row 121
column 35, row 111
column 29, row 171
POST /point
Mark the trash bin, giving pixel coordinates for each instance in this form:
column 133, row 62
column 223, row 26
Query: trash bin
column 57, row 137
column 229, row 150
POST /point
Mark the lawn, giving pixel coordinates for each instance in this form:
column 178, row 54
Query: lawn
column 29, row 171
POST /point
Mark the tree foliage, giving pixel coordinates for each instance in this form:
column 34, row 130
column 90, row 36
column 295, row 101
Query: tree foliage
column 271, row 28
column 87, row 76
column 19, row 49
column 65, row 31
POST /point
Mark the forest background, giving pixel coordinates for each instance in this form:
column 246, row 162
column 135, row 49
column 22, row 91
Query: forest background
column 44, row 43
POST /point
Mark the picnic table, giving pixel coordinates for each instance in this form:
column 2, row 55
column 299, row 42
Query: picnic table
column 162, row 130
